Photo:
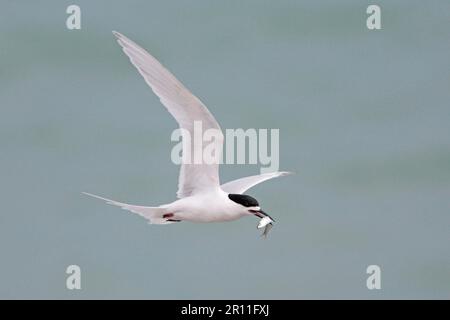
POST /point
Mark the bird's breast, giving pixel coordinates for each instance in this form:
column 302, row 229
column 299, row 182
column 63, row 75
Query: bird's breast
column 206, row 209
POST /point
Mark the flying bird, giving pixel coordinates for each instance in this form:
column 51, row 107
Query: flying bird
column 201, row 197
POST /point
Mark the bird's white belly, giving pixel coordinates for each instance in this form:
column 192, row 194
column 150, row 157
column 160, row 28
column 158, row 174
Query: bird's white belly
column 206, row 216
column 209, row 208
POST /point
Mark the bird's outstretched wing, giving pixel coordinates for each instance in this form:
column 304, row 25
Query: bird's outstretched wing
column 185, row 108
column 241, row 185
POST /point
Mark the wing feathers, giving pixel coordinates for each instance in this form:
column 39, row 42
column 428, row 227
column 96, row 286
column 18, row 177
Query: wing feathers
column 184, row 107
column 241, row 185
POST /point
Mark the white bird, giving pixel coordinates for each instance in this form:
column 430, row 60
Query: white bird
column 201, row 197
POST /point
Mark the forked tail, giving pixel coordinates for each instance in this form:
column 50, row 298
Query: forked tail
column 153, row 214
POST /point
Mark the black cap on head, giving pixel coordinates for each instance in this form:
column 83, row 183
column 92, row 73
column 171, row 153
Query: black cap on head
column 244, row 200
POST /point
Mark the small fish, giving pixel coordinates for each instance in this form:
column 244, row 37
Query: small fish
column 267, row 229
column 265, row 223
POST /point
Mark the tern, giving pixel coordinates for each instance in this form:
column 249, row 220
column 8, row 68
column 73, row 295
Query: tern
column 201, row 197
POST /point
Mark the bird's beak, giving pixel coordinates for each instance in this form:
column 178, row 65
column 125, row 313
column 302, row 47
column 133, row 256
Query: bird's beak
column 263, row 214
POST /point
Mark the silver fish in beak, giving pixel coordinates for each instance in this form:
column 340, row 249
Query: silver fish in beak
column 267, row 224
column 266, row 221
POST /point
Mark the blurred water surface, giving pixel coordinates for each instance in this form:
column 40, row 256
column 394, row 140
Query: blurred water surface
column 364, row 122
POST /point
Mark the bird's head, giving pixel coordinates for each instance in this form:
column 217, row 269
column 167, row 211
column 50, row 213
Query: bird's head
column 249, row 205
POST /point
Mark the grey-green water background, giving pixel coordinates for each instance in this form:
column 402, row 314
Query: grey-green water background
column 364, row 121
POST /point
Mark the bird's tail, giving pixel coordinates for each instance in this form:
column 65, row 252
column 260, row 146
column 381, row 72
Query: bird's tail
column 153, row 214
